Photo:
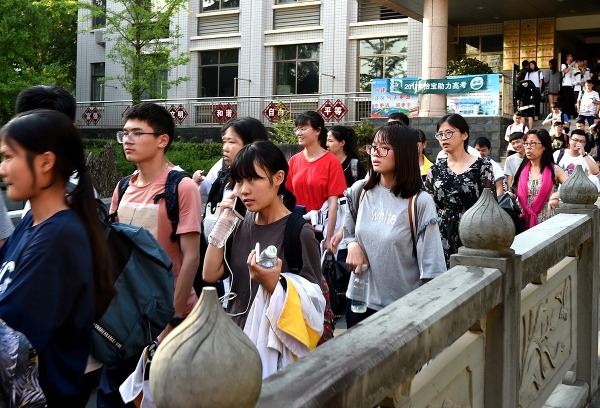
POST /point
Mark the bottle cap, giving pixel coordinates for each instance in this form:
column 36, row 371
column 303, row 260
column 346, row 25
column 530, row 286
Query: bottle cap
column 271, row 251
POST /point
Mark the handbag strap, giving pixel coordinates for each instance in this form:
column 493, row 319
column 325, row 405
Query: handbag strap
column 412, row 219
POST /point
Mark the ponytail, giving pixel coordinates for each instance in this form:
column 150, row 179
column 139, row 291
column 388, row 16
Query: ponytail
column 82, row 200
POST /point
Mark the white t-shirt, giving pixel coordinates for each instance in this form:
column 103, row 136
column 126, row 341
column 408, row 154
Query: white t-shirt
column 498, row 173
column 569, row 162
column 536, row 77
column 471, row 150
column 567, row 77
column 586, row 104
column 512, row 128
column 511, row 164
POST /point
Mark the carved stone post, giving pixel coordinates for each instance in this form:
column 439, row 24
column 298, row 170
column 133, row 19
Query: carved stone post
column 487, row 233
column 578, row 195
column 207, row 361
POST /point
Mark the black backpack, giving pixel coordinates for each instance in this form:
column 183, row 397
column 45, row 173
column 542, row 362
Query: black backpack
column 171, row 197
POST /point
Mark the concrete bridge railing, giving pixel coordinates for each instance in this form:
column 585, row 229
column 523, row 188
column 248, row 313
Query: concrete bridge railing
column 508, row 325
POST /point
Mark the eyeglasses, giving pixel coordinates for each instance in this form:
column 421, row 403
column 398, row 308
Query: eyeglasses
column 578, row 140
column 446, row 134
column 132, row 136
column 300, row 130
column 381, row 151
column 531, row 144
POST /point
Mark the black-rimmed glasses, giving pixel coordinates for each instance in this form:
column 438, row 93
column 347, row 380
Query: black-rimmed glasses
column 446, row 134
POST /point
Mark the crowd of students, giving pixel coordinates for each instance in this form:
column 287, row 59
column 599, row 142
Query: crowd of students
column 399, row 216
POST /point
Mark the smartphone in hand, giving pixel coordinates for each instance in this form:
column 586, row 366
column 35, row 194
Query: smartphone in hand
column 239, row 209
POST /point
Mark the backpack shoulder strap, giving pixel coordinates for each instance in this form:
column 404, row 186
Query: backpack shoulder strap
column 121, row 188
column 561, row 153
column 171, row 196
column 292, row 246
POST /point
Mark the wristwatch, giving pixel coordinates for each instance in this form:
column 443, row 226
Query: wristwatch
column 176, row 321
column 585, row 154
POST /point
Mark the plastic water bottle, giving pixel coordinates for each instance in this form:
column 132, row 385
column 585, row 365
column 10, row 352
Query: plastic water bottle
column 223, row 228
column 268, row 257
column 360, row 290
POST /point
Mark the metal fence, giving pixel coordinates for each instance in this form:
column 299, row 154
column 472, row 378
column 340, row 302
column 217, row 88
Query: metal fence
column 210, row 112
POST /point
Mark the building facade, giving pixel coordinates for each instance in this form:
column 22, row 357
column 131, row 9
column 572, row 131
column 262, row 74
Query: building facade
column 250, row 52
column 246, row 54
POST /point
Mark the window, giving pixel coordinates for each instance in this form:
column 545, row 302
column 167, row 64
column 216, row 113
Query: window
column 381, row 58
column 297, row 69
column 487, row 48
column 157, row 87
column 218, row 70
column 97, row 81
column 370, row 11
column 99, row 20
column 211, row 5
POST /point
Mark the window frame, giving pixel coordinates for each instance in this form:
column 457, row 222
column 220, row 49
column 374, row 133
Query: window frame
column 99, row 21
column 219, row 65
column 403, row 55
column 97, row 81
column 483, row 55
column 297, row 61
column 220, row 6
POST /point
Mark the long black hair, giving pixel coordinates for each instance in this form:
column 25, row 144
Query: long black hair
column 347, row 135
column 553, row 65
column 267, row 156
column 547, row 160
column 40, row 131
column 248, row 129
column 407, row 178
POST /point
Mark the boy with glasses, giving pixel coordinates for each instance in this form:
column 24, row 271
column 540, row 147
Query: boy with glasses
column 147, row 134
column 575, row 154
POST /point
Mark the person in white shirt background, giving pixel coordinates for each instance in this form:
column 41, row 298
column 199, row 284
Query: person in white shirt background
column 516, row 126
column 588, row 103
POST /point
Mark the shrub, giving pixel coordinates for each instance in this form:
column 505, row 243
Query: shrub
column 189, row 156
column 468, row 66
column 282, row 131
column 364, row 136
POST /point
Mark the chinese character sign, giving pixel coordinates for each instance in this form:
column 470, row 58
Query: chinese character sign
column 384, row 102
column 465, row 94
column 450, row 85
column 326, row 110
column 179, row 113
column 275, row 111
column 91, row 115
column 482, row 102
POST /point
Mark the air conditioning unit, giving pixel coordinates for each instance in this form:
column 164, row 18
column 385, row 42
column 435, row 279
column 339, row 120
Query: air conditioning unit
column 99, row 36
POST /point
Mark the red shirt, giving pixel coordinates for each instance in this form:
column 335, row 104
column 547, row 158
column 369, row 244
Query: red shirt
column 314, row 182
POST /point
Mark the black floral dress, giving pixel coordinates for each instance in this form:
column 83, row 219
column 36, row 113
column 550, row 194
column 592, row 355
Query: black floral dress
column 454, row 194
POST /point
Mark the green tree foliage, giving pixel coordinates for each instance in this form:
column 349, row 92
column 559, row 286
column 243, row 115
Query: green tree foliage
column 145, row 42
column 283, row 131
column 38, row 41
column 468, row 66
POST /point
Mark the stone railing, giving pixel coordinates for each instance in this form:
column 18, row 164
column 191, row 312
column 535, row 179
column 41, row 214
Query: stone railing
column 514, row 322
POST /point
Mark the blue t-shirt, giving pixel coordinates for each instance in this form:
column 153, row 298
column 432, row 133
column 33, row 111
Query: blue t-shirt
column 47, row 293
